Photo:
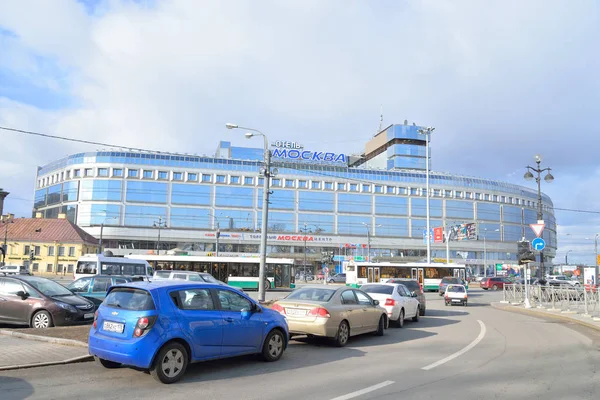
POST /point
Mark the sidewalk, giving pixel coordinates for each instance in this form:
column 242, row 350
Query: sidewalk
column 28, row 350
column 571, row 316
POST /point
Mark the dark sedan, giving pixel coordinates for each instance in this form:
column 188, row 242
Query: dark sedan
column 41, row 303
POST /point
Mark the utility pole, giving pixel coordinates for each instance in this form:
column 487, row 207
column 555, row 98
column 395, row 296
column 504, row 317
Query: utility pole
column 159, row 224
column 305, row 230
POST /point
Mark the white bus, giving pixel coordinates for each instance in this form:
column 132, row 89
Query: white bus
column 429, row 276
column 240, row 272
column 97, row 264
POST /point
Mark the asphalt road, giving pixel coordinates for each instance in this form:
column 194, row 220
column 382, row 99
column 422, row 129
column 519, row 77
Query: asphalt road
column 475, row 352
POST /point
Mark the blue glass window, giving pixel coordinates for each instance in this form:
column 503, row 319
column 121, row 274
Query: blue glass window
column 144, row 215
column 530, row 216
column 275, row 182
column 148, row 174
column 353, row 225
column 147, row 192
column 315, row 185
column 289, row 183
column 220, row 178
column 190, row 218
column 489, row 230
column 70, row 190
column 512, row 214
column 236, row 219
column 76, row 173
column 512, row 233
column 235, row 180
column 302, row 184
column 117, row 172
column 279, row 199
column 459, row 209
column 317, row 223
column 366, row 188
column 105, row 189
column 192, row 177
column 419, row 226
column 261, row 181
column 163, row 175
column 132, row 173
column 354, row 203
column 488, row 211
column 354, row 187
column 378, row 189
column 96, row 214
column 89, row 172
column 54, row 194
column 419, row 207
column 206, row 178
column 280, row 222
column 228, row 196
column 40, row 198
column 341, row 186
column 248, row 181
column 391, row 227
column 315, row 201
column 328, row 185
column 102, row 171
column 390, row 190
column 391, row 205
column 177, row 176
column 182, row 193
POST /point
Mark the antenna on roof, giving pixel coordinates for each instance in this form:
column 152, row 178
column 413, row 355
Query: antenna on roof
column 380, row 119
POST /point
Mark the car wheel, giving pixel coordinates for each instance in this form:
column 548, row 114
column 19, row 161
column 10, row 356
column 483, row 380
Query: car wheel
column 380, row 326
column 400, row 320
column 41, row 319
column 343, row 334
column 107, row 363
column 416, row 317
column 170, row 364
column 484, row 288
column 495, row 287
column 273, row 346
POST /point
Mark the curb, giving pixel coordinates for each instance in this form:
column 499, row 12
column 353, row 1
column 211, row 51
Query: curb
column 66, row 342
column 534, row 313
column 50, row 363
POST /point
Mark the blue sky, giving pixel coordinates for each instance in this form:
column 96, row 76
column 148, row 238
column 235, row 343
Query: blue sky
column 500, row 80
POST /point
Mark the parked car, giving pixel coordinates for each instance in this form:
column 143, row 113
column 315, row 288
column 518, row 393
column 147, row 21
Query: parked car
column 336, row 313
column 187, row 276
column 41, row 303
column 558, row 280
column 456, row 294
column 397, row 299
column 414, row 287
column 94, row 288
column 337, row 278
column 448, row 280
column 495, row 283
column 14, row 270
column 162, row 326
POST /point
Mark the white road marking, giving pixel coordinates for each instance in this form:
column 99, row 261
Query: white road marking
column 363, row 391
column 461, row 352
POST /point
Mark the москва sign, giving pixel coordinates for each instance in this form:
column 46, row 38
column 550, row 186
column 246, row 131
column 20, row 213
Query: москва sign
column 294, row 151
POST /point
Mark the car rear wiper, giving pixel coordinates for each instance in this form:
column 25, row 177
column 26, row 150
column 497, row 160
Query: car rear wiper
column 114, row 305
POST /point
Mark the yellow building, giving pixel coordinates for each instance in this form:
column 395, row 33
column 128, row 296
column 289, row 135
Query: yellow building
column 50, row 247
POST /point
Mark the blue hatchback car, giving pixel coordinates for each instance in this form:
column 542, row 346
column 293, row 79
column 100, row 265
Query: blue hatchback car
column 162, row 326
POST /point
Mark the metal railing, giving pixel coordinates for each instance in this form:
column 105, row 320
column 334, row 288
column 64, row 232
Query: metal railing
column 579, row 300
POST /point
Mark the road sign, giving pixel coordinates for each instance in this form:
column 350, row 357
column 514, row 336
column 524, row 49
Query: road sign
column 538, row 244
column 537, row 229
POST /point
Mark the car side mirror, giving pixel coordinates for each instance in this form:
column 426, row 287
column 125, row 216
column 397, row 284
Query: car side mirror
column 22, row 294
column 376, row 302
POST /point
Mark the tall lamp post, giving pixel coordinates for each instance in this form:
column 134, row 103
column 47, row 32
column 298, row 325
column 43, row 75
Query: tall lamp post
column 540, row 213
column 369, row 239
column 427, row 131
column 6, row 220
column 567, row 257
column 217, row 232
column 102, row 232
column 305, row 230
column 159, row 224
column 266, row 172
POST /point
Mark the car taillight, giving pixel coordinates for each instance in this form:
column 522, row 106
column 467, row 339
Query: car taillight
column 144, row 324
column 390, row 302
column 96, row 319
column 319, row 312
column 278, row 308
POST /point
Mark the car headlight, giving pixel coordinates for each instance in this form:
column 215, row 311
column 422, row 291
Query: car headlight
column 67, row 307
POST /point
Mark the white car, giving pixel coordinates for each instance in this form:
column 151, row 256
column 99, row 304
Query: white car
column 561, row 279
column 456, row 294
column 398, row 301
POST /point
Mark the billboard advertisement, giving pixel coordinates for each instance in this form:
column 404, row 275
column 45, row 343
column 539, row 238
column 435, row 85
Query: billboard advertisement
column 588, row 276
column 438, row 235
column 463, row 232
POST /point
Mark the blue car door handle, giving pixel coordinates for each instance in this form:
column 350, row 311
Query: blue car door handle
column 228, row 319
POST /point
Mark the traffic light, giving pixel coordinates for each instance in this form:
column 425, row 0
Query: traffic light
column 524, row 253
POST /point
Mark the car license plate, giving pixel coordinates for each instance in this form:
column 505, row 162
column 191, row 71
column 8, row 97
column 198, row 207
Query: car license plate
column 113, row 327
column 295, row 311
column 456, row 300
column 88, row 315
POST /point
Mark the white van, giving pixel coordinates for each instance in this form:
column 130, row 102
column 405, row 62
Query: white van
column 97, row 264
column 15, row 270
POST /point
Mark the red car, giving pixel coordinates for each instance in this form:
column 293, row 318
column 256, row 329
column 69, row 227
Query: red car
column 494, row 283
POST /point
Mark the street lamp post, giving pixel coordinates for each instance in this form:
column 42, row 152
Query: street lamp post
column 217, row 232
column 305, row 230
column 265, row 209
column 567, row 257
column 369, row 239
column 102, row 232
column 540, row 213
column 159, row 224
column 427, row 131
